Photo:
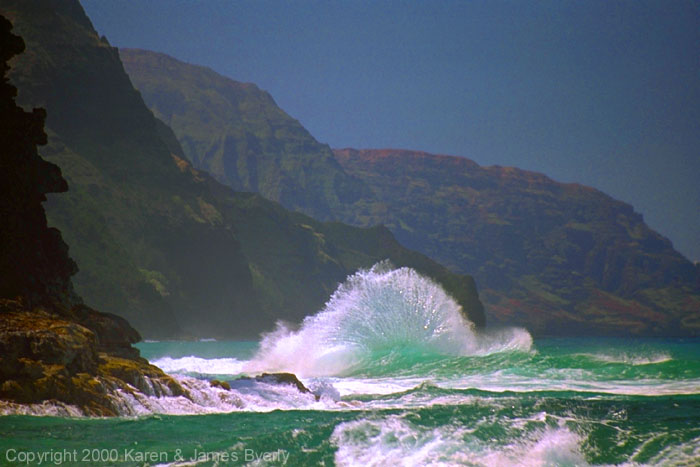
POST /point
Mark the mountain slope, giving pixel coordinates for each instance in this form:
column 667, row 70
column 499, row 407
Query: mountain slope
column 556, row 258
column 157, row 241
column 121, row 217
column 237, row 133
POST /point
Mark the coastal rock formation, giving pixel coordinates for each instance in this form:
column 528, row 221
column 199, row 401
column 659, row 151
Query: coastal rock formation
column 277, row 379
column 52, row 347
column 288, row 379
column 47, row 357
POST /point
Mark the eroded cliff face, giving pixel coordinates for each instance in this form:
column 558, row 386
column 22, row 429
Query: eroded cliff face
column 52, row 347
column 237, row 133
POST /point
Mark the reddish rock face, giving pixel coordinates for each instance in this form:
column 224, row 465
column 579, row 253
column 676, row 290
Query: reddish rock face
column 554, row 257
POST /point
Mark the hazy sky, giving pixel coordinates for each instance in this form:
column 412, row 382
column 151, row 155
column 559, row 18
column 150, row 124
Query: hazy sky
column 605, row 93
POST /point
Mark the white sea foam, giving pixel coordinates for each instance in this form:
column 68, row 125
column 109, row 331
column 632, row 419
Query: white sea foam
column 631, row 359
column 394, row 440
column 568, row 380
column 202, row 366
column 376, row 310
column 46, row 408
column 244, row 396
column 377, row 386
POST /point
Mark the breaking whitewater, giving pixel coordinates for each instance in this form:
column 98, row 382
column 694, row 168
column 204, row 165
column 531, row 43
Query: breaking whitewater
column 397, row 376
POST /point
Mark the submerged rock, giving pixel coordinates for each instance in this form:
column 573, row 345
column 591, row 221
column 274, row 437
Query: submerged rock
column 215, row 383
column 289, row 379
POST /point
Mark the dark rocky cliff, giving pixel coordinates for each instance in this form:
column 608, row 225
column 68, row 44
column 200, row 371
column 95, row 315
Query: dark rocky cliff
column 52, row 347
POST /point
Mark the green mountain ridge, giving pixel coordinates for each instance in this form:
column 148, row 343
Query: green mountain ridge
column 555, row 258
column 157, row 241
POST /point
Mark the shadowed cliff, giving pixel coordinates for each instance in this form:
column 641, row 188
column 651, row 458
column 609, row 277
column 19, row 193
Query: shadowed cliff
column 52, row 347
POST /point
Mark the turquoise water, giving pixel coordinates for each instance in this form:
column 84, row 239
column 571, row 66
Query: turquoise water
column 397, row 379
column 566, row 402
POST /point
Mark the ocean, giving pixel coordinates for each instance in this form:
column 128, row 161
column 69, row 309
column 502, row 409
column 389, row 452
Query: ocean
column 397, row 377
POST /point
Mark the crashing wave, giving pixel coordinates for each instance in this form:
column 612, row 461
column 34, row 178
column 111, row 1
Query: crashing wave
column 382, row 309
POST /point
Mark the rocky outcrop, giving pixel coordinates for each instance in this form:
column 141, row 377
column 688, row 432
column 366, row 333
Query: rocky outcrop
column 284, row 379
column 289, row 379
column 47, row 357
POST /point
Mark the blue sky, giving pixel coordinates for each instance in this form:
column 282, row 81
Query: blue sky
column 605, row 93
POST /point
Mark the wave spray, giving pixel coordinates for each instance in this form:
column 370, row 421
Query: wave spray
column 376, row 312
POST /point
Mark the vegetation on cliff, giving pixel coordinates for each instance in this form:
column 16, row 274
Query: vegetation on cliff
column 237, row 133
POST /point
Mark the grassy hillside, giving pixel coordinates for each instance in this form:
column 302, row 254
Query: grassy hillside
column 157, row 241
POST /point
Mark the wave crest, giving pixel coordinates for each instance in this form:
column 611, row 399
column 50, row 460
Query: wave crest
column 380, row 310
